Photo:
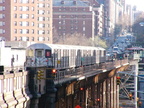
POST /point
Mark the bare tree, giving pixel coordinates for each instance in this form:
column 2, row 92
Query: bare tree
column 79, row 39
column 74, row 39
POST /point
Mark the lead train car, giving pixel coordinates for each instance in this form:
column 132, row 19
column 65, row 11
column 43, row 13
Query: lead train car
column 63, row 56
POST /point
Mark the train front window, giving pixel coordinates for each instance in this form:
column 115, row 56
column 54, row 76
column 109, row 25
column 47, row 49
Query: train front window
column 39, row 53
column 48, row 53
column 30, row 53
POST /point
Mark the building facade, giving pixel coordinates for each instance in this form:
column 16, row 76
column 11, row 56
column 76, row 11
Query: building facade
column 73, row 16
column 26, row 20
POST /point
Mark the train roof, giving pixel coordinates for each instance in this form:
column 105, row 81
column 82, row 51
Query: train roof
column 60, row 46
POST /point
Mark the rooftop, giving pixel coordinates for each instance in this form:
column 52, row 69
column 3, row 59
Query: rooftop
column 70, row 3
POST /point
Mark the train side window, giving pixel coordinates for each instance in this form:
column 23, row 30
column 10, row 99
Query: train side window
column 39, row 53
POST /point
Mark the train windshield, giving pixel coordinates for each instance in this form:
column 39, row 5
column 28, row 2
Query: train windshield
column 39, row 53
column 30, row 53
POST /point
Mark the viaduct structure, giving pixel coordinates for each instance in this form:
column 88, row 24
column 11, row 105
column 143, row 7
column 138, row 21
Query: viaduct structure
column 85, row 87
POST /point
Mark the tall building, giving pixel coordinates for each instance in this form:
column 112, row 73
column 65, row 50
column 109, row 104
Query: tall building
column 99, row 20
column 73, row 16
column 26, row 20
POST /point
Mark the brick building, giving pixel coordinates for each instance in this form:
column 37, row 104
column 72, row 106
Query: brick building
column 26, row 20
column 73, row 16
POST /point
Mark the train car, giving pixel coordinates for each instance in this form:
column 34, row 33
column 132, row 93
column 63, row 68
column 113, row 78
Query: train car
column 63, row 56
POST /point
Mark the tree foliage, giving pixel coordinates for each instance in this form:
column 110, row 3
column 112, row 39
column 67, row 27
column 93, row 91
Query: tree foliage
column 98, row 42
column 138, row 29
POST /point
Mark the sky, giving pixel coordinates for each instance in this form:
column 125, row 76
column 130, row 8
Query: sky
column 138, row 3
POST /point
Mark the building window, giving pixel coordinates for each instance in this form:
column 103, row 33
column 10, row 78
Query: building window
column 24, row 16
column 41, row 12
column 32, row 31
column 24, row 23
column 15, row 1
column 27, row 38
column 41, row 25
column 15, row 31
column 48, row 18
column 32, row 1
column 15, row 8
column 2, row 23
column 41, row 5
column 27, row 30
column 15, row 38
column 20, row 16
column 2, row 31
column 24, row 8
column 2, row 15
column 32, row 8
column 48, row 38
column 83, row 22
column 32, row 38
column 2, row 8
column 41, row 18
column 59, row 28
column 32, row 23
column 64, row 34
column 24, row 1
column 41, row 32
column 20, row 31
column 83, row 28
column 32, row 16
column 59, row 16
column 43, row 38
column 20, row 23
column 48, row 32
column 59, row 22
column 2, row 1
column 20, row 8
column 24, row 31
column 63, row 21
column 48, row 5
column 20, row 38
column 15, row 15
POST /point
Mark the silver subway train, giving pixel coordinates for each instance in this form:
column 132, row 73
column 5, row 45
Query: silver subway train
column 63, row 56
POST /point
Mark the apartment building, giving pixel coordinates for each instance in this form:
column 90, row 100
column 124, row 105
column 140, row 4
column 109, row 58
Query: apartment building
column 73, row 16
column 26, row 20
